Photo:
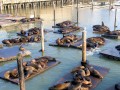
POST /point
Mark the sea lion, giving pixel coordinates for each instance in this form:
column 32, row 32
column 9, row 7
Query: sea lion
column 29, row 70
column 22, row 32
column 117, row 86
column 75, row 87
column 14, row 73
column 21, row 48
column 7, row 75
column 62, row 86
column 94, row 72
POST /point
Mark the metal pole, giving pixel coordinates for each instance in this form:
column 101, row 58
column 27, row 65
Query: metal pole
column 21, row 72
column 77, row 13
column 42, row 37
column 115, row 19
column 84, row 46
column 54, row 12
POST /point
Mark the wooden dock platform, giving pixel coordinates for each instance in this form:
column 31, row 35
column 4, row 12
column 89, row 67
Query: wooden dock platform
column 95, row 81
column 50, row 64
column 77, row 44
column 11, row 53
column 111, row 53
column 111, row 36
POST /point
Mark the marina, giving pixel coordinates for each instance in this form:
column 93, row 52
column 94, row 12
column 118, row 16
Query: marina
column 69, row 58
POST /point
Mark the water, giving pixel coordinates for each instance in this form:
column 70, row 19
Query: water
column 69, row 57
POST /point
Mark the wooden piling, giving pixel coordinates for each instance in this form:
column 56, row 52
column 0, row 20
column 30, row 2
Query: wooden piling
column 54, row 12
column 21, row 72
column 61, row 3
column 92, row 4
column 42, row 37
column 115, row 20
column 77, row 13
column 84, row 46
column 34, row 9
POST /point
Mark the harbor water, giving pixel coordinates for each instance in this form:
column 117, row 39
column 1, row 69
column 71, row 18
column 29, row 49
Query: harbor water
column 68, row 57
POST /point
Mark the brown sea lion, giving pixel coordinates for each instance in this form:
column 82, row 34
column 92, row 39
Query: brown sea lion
column 7, row 75
column 94, row 72
column 14, row 73
column 62, row 86
column 21, row 48
column 22, row 32
column 29, row 70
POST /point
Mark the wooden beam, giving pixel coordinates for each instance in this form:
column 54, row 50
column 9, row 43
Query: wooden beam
column 84, row 46
column 21, row 72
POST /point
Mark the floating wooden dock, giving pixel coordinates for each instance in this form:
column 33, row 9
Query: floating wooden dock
column 111, row 36
column 77, row 44
column 111, row 53
column 50, row 64
column 95, row 81
column 11, row 53
column 28, row 31
column 20, row 43
column 59, row 32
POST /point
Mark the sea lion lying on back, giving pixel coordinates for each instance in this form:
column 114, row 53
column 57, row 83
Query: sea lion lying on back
column 63, row 86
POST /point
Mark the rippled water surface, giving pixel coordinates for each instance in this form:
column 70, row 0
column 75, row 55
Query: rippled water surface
column 69, row 57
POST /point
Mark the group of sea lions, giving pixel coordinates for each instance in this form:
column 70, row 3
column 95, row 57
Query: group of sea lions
column 64, row 24
column 69, row 39
column 69, row 29
column 95, row 42
column 30, row 68
column 100, row 28
column 81, row 79
column 18, row 40
column 32, row 31
column 24, row 20
column 116, row 32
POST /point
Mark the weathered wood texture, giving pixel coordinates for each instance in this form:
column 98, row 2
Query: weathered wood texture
column 111, row 53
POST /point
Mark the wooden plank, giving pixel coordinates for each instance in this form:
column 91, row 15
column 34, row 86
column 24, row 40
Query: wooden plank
column 95, row 81
column 9, row 53
column 50, row 64
column 111, row 36
column 111, row 53
column 58, row 32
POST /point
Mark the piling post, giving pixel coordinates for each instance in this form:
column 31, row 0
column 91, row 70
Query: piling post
column 34, row 9
column 92, row 4
column 77, row 13
column 42, row 37
column 20, row 71
column 84, row 46
column 72, row 2
column 1, row 5
column 61, row 3
column 115, row 20
column 54, row 12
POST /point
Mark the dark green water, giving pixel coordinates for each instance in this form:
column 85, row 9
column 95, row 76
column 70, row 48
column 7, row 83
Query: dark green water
column 69, row 57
